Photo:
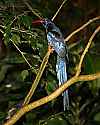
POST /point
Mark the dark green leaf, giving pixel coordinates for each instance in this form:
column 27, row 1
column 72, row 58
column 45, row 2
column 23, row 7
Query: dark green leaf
column 24, row 74
column 97, row 117
column 3, row 71
column 15, row 38
column 26, row 20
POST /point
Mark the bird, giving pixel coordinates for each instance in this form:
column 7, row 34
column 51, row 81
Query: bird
column 57, row 44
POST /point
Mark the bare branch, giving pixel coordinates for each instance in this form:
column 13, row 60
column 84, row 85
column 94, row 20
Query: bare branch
column 58, row 10
column 86, row 50
column 33, row 11
column 37, row 79
column 81, row 28
column 52, row 96
column 19, row 30
column 22, row 31
column 22, row 55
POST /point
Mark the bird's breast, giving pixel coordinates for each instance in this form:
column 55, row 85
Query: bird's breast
column 57, row 44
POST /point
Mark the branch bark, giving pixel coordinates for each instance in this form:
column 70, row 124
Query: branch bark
column 52, row 96
column 37, row 79
column 81, row 28
column 86, row 50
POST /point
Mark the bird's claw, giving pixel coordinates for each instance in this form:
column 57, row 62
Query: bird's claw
column 50, row 49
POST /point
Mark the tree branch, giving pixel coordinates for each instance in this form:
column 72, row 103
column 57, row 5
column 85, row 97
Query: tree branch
column 52, row 96
column 33, row 11
column 81, row 28
column 22, row 55
column 58, row 10
column 37, row 79
column 86, row 50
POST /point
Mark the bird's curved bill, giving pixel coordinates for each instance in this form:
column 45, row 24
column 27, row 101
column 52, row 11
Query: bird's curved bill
column 38, row 22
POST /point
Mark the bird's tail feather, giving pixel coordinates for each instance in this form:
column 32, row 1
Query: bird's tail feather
column 65, row 100
column 62, row 77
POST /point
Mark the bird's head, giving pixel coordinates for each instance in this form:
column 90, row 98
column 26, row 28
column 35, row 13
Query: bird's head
column 48, row 24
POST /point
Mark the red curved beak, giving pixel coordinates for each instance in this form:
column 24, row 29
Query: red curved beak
column 38, row 22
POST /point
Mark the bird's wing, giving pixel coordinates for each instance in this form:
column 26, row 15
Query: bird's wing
column 57, row 44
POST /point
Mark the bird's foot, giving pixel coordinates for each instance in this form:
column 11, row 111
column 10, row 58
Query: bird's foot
column 50, row 49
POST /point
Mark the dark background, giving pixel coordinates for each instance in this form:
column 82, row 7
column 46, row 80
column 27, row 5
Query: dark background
column 16, row 76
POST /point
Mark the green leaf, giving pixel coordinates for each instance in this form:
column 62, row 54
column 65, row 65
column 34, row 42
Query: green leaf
column 13, row 58
column 26, row 20
column 89, row 66
column 51, row 86
column 55, row 121
column 7, row 34
column 15, row 38
column 2, row 115
column 97, row 117
column 92, row 66
column 3, row 71
column 24, row 74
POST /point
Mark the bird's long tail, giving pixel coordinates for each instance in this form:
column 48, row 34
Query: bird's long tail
column 62, row 77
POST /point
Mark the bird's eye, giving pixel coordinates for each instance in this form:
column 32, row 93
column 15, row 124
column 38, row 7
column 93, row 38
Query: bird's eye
column 44, row 23
column 49, row 26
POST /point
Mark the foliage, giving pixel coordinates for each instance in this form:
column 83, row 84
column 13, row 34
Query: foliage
column 16, row 76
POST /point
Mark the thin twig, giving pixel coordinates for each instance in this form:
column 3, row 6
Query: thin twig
column 81, row 28
column 22, row 55
column 22, row 31
column 52, row 96
column 58, row 10
column 86, row 50
column 16, row 17
column 1, row 31
column 37, row 79
column 2, row 26
column 30, row 8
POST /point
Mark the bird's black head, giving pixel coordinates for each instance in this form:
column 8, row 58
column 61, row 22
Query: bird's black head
column 49, row 26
